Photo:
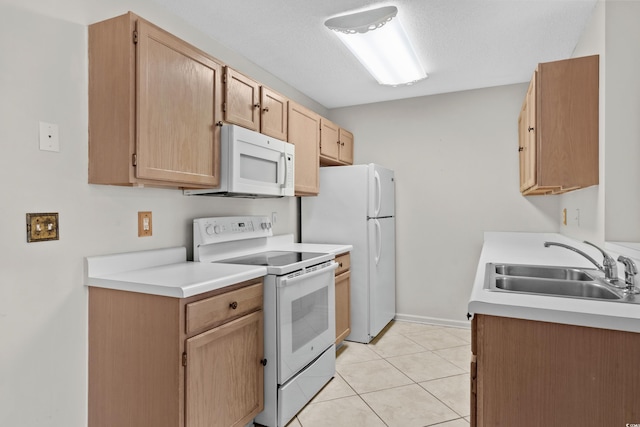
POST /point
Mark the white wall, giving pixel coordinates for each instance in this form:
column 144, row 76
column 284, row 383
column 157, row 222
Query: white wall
column 611, row 211
column 456, row 163
column 43, row 301
column 622, row 205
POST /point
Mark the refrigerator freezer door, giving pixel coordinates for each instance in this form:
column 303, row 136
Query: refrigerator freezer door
column 382, row 273
column 381, row 192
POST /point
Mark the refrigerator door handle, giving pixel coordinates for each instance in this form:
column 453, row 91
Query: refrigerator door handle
column 378, row 192
column 378, row 240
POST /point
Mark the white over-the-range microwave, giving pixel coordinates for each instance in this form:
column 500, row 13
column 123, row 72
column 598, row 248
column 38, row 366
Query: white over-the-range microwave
column 252, row 165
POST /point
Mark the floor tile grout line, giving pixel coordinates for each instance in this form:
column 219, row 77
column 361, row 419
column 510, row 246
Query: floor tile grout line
column 381, row 357
column 374, row 411
column 441, row 401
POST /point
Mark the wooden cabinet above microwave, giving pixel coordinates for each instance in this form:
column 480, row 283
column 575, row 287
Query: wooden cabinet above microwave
column 150, row 122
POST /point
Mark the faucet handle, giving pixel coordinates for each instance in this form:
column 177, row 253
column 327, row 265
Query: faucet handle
column 604, row 254
column 609, row 263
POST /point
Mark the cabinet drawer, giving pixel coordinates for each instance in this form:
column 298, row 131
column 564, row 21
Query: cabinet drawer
column 344, row 263
column 216, row 310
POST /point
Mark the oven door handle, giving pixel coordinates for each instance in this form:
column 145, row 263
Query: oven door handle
column 286, row 281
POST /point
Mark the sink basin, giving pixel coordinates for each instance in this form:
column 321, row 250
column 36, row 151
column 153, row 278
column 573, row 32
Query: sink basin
column 544, row 272
column 548, row 280
column 561, row 287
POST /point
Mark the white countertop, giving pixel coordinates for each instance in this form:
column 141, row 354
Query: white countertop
column 167, row 272
column 527, row 248
column 285, row 243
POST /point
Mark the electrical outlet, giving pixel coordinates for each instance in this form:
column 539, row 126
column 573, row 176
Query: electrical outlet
column 274, row 217
column 145, row 225
column 564, row 216
column 42, row 227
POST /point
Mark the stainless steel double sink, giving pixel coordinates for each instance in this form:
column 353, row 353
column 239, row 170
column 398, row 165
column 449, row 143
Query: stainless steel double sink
column 568, row 282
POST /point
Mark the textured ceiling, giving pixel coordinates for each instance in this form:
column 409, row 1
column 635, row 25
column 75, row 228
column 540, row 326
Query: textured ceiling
column 463, row 44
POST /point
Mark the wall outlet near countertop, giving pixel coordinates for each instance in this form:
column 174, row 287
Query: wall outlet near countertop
column 145, row 225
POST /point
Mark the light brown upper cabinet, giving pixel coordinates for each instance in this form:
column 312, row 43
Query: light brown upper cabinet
column 558, row 127
column 336, row 144
column 256, row 107
column 274, row 114
column 527, row 148
column 304, row 133
column 154, row 106
column 346, row 146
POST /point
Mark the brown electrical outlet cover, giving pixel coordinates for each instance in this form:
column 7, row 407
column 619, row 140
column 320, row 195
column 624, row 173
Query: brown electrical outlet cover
column 42, row 227
column 142, row 232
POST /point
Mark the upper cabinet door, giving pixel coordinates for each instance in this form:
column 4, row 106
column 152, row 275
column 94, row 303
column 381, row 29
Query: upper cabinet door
column 527, row 138
column 346, row 146
column 561, row 139
column 274, row 113
column 178, row 96
column 241, row 100
column 329, row 140
column 304, row 133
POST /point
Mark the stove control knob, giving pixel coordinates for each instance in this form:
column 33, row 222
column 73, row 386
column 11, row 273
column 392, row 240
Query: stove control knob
column 263, row 225
column 212, row 229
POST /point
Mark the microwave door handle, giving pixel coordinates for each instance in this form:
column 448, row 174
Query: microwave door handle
column 282, row 172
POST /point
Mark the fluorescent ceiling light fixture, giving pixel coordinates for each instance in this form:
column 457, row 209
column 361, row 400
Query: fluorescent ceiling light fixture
column 376, row 37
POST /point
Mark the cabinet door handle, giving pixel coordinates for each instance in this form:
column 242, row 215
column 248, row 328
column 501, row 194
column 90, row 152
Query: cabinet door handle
column 219, row 124
column 256, row 105
column 530, row 129
column 340, row 264
column 233, row 305
column 265, row 109
column 263, row 362
column 520, row 148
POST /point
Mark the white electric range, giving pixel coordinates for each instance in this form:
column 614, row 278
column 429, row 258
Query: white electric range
column 299, row 309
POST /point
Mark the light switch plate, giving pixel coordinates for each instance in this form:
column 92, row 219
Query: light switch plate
column 42, row 227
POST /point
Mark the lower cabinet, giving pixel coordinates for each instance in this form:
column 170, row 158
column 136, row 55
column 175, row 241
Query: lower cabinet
column 343, row 298
column 531, row 373
column 158, row 361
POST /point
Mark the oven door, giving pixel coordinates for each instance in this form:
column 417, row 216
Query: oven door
column 305, row 318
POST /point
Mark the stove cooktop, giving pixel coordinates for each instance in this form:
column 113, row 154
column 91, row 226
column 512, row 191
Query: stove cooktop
column 273, row 258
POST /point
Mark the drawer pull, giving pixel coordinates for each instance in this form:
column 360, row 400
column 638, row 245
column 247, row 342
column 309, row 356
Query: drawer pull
column 263, row 362
column 340, row 264
column 233, row 305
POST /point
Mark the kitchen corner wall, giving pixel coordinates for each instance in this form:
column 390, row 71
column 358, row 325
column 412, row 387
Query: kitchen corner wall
column 611, row 211
column 43, row 300
column 456, row 162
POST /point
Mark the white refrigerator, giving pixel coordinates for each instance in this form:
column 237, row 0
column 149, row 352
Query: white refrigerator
column 356, row 206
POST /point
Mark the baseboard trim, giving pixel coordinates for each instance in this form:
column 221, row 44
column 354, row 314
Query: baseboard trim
column 465, row 324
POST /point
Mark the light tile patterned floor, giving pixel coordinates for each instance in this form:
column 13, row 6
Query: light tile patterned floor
column 412, row 375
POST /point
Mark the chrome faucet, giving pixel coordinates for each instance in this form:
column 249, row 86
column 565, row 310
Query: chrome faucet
column 610, row 267
column 630, row 271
